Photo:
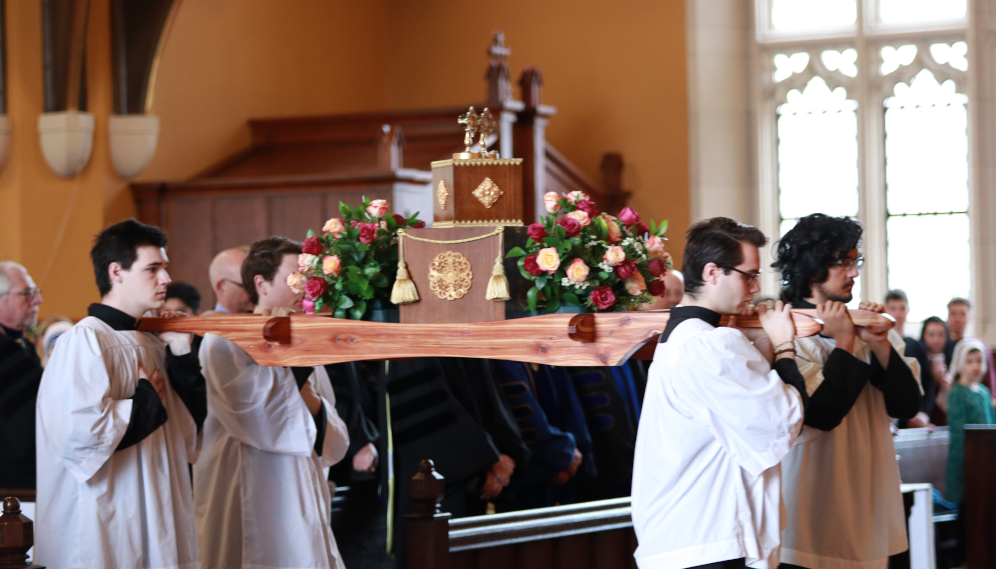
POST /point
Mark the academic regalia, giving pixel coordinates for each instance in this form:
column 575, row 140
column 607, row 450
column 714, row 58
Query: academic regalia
column 352, row 383
column 608, row 397
column 423, row 420
column 841, row 487
column 716, row 421
column 113, row 479
column 917, row 351
column 551, row 449
column 20, row 376
column 261, row 489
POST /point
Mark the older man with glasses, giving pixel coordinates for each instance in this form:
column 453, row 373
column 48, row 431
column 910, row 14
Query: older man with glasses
column 20, row 374
column 225, row 273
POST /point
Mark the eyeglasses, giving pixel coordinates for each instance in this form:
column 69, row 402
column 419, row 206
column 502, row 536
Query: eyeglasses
column 751, row 277
column 30, row 293
column 236, row 283
column 848, row 263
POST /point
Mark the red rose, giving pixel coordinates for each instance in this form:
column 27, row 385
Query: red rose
column 368, row 232
column 400, row 221
column 536, row 231
column 531, row 267
column 657, row 287
column 628, row 216
column 419, row 224
column 625, row 269
column 602, row 297
column 657, row 267
column 311, row 246
column 588, row 207
column 641, row 229
column 570, row 225
column 315, row 288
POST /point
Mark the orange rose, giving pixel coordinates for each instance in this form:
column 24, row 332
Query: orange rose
column 331, row 265
column 334, row 226
column 296, row 282
column 580, row 216
column 577, row 271
column 548, row 259
column 636, row 284
column 615, row 234
column 614, row 255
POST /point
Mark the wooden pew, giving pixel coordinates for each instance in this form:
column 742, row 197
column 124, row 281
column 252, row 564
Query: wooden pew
column 16, row 535
column 589, row 535
column 980, row 496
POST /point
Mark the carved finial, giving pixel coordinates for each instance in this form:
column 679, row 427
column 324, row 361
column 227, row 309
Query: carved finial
column 426, row 489
column 531, row 83
column 499, row 83
column 16, row 535
column 12, row 506
column 498, row 51
column 471, row 125
column 486, row 126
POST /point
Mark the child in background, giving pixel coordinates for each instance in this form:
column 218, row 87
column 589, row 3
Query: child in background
column 969, row 403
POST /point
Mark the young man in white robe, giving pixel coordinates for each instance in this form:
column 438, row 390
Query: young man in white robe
column 118, row 419
column 261, row 488
column 841, row 480
column 717, row 419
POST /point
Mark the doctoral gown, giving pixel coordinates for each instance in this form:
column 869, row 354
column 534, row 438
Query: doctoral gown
column 100, row 505
column 20, row 375
column 261, row 490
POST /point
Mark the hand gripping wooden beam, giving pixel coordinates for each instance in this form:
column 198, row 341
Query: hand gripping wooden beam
column 602, row 339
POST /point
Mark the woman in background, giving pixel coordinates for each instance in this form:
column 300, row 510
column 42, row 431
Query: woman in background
column 933, row 337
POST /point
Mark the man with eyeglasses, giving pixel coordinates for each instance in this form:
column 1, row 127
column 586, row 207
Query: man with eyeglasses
column 225, row 273
column 20, row 375
column 841, row 482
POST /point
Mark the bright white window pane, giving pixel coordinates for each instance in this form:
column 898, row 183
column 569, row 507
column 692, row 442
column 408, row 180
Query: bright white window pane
column 926, row 11
column 843, row 61
column 811, row 15
column 929, row 259
column 926, row 147
column 953, row 54
column 787, row 65
column 818, row 152
column 895, row 57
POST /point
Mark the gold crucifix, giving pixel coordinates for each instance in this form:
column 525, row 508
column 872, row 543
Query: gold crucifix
column 485, row 125
column 471, row 125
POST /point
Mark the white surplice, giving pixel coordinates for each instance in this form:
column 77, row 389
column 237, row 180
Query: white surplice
column 841, row 487
column 99, row 507
column 716, row 422
column 261, row 491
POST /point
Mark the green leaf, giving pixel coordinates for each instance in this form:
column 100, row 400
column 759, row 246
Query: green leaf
column 572, row 298
column 363, row 247
column 319, row 304
column 653, row 227
column 552, row 241
column 380, row 280
column 531, row 297
column 369, row 293
column 553, row 305
column 515, row 252
column 344, row 209
column 541, row 281
column 371, row 270
column 357, row 312
column 311, row 233
column 559, row 231
column 339, row 313
column 345, row 302
column 355, row 277
column 603, row 275
column 364, row 284
column 601, row 228
column 392, row 225
column 662, row 228
column 354, row 288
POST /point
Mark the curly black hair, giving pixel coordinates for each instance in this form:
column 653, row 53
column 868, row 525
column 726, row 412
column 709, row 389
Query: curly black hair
column 806, row 253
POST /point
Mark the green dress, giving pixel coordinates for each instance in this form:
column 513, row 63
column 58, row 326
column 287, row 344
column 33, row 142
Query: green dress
column 965, row 407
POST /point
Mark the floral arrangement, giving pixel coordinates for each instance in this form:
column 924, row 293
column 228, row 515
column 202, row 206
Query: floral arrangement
column 581, row 256
column 349, row 268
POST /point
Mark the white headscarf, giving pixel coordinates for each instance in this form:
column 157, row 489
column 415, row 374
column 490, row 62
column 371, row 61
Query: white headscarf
column 961, row 351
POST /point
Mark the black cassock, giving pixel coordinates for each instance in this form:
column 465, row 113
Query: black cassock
column 20, row 375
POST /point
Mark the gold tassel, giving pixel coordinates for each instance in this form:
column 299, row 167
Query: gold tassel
column 404, row 289
column 498, row 285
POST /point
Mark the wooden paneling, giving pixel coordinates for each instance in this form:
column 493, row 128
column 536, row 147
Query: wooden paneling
column 239, row 221
column 189, row 226
column 980, row 496
column 292, row 215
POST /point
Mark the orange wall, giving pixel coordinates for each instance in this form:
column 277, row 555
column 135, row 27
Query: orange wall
column 615, row 71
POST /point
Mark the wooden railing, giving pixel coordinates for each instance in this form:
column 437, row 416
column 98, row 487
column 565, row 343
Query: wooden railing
column 590, row 535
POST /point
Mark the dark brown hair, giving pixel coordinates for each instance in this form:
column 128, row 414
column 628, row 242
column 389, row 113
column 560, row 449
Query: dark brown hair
column 264, row 259
column 715, row 240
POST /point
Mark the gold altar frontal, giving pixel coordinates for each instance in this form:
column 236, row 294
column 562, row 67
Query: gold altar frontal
column 470, row 192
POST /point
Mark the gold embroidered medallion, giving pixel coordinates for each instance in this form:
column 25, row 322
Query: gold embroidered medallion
column 450, row 275
column 488, row 193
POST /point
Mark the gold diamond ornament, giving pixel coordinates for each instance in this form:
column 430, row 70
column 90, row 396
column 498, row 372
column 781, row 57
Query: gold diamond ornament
column 488, row 193
column 450, row 275
column 442, row 193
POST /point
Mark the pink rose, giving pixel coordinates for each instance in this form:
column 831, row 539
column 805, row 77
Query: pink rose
column 576, row 196
column 536, row 231
column 614, row 255
column 588, row 207
column 657, row 287
column 304, row 261
column 331, row 265
column 530, row 266
column 626, row 269
column 581, row 217
column 577, row 271
column 378, row 208
column 602, row 297
column 296, row 282
column 628, row 216
column 308, row 306
column 657, row 267
column 550, row 200
column 311, row 246
column 368, row 232
column 570, row 225
column 399, row 221
column 636, row 284
column 655, row 247
column 419, row 224
column 615, row 234
column 548, row 259
column 334, row 226
column 315, row 287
